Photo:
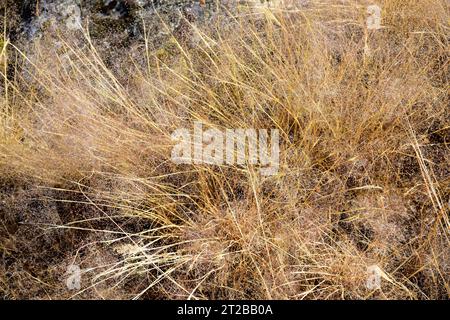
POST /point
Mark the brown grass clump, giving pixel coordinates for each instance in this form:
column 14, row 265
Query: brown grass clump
column 364, row 163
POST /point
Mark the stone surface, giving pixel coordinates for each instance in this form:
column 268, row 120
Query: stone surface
column 29, row 18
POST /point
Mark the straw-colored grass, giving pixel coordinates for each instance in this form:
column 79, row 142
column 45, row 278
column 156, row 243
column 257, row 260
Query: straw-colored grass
column 363, row 117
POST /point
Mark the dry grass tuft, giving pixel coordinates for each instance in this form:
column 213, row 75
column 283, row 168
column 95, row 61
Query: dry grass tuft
column 364, row 163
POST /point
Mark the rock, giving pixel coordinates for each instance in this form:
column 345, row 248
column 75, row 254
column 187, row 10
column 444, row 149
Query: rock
column 63, row 13
column 32, row 18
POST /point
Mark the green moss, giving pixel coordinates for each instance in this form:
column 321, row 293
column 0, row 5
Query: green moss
column 46, row 25
column 103, row 26
column 167, row 50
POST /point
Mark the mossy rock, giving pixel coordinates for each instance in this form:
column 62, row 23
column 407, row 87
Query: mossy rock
column 12, row 10
column 116, row 17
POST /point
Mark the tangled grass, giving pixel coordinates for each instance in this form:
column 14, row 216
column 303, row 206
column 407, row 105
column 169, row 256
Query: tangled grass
column 363, row 117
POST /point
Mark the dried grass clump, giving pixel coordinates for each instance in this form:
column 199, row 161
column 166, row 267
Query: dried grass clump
column 363, row 178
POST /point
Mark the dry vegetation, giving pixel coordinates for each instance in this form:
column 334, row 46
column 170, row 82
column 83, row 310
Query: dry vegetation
column 86, row 175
